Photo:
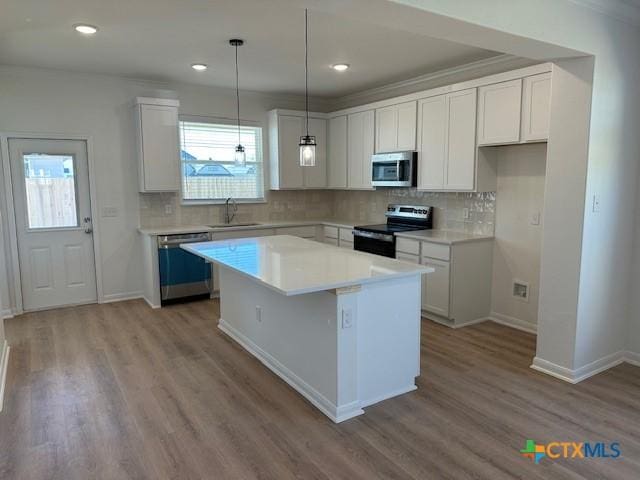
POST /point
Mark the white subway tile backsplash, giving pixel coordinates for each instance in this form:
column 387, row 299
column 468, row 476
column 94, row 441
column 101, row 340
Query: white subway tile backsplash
column 356, row 206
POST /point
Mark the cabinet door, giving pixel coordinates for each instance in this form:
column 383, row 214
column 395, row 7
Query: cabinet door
column 387, row 129
column 337, row 159
column 435, row 287
column 316, row 176
column 289, row 131
column 432, row 142
column 360, row 133
column 461, row 146
column 160, row 151
column 406, row 126
column 499, row 113
column 396, row 127
column 536, row 98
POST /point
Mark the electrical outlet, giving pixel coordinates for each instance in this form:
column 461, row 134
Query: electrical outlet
column 258, row 313
column 465, row 213
column 168, row 209
column 535, row 218
column 347, row 318
column 596, row 203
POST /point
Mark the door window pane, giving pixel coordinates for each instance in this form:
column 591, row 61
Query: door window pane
column 50, row 186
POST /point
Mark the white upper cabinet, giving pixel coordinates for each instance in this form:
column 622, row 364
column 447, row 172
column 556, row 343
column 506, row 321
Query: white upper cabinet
column 396, row 128
column 432, row 142
column 158, row 144
column 285, row 130
column 499, row 112
column 337, row 157
column 461, row 152
column 446, row 142
column 536, row 98
column 360, row 135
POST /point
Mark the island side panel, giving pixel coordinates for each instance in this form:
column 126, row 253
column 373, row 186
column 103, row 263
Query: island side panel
column 294, row 336
column 388, row 327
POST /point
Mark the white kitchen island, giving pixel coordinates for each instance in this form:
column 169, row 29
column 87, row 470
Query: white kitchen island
column 341, row 327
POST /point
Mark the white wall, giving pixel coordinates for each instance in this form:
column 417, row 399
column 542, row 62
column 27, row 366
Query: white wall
column 517, row 245
column 53, row 102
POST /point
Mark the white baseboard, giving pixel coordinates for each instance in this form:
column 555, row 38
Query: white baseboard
column 120, row 297
column 513, row 322
column 335, row 413
column 579, row 374
column 4, row 363
column 632, row 358
column 151, row 304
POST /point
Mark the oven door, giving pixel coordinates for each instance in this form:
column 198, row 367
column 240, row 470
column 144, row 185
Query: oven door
column 376, row 243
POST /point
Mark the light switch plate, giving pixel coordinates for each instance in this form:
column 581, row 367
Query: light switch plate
column 109, row 212
column 535, row 218
column 596, row 203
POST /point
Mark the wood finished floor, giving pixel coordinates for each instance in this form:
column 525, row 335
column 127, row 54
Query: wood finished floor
column 121, row 391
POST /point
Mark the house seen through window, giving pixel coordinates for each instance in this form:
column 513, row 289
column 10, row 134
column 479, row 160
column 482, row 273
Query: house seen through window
column 208, row 170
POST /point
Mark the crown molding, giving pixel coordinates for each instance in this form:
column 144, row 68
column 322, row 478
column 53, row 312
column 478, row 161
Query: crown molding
column 392, row 88
column 627, row 11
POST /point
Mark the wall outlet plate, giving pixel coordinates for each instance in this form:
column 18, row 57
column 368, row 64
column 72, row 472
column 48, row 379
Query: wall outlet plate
column 347, row 318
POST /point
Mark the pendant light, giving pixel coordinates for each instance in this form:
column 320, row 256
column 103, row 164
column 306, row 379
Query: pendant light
column 307, row 142
column 239, row 156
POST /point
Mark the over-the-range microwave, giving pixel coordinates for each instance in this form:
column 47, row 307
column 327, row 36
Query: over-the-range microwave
column 396, row 169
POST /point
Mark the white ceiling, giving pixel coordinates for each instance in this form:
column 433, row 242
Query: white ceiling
column 160, row 39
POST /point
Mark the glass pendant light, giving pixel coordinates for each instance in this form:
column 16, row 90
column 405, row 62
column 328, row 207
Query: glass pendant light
column 239, row 156
column 307, row 142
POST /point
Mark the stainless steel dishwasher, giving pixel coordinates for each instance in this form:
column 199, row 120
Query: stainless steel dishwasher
column 183, row 276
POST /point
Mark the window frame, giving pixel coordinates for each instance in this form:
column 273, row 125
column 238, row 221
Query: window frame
column 224, row 121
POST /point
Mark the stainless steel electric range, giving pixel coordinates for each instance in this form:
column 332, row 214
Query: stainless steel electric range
column 381, row 239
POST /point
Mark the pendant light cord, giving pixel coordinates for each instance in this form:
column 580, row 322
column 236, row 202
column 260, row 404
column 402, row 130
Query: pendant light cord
column 306, row 66
column 238, row 94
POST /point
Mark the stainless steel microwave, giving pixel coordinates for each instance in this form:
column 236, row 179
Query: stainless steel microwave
column 396, row 169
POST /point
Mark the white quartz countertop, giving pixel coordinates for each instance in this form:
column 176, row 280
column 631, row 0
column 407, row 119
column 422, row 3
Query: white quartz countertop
column 178, row 229
column 295, row 266
column 443, row 236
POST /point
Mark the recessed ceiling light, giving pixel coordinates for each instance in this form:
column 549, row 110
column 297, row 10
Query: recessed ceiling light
column 85, row 29
column 200, row 67
column 340, row 67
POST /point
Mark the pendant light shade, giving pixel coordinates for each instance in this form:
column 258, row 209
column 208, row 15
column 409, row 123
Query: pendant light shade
column 307, row 151
column 307, row 142
column 239, row 157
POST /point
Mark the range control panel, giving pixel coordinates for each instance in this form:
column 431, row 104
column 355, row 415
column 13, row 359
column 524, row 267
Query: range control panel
column 409, row 211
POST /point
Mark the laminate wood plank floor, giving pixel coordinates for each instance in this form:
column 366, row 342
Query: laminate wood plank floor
column 120, row 391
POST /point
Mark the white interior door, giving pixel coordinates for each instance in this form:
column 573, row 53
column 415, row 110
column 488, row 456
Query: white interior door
column 53, row 219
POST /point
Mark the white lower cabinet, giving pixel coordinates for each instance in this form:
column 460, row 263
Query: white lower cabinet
column 458, row 292
column 307, row 231
column 435, row 287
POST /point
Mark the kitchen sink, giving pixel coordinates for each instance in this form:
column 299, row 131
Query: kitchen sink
column 228, row 225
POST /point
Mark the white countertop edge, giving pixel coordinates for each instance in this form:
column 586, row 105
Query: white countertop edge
column 423, row 237
column 259, row 226
column 419, row 270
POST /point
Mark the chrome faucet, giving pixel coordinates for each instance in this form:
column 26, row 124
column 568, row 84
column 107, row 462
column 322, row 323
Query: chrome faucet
column 228, row 217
